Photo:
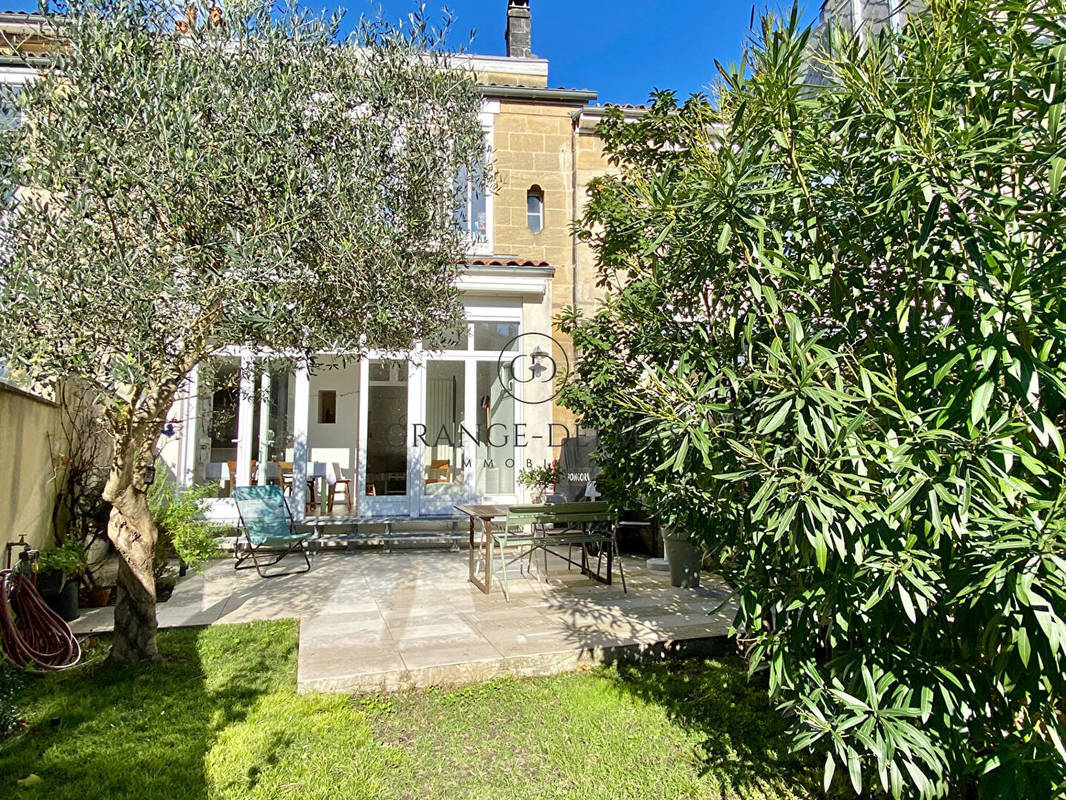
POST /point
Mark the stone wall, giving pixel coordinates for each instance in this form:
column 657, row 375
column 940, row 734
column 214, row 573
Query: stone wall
column 537, row 145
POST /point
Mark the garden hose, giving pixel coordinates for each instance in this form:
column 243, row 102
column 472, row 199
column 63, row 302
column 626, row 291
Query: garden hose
column 33, row 636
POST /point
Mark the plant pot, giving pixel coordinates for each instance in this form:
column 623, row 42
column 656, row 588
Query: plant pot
column 65, row 602
column 685, row 559
column 50, row 582
column 99, row 597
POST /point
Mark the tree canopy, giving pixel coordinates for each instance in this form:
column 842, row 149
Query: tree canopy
column 833, row 350
column 238, row 176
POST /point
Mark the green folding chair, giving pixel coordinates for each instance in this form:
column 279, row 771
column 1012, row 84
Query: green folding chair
column 269, row 531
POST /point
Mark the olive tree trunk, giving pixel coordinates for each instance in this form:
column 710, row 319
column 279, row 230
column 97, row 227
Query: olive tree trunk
column 132, row 529
column 133, row 532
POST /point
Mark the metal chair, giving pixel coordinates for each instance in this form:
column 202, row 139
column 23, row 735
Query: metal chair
column 269, row 530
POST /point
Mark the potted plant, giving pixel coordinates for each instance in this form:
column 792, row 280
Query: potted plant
column 541, row 480
column 58, row 571
column 685, row 557
column 184, row 534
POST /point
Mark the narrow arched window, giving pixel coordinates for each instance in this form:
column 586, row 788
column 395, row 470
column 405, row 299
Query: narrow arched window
column 535, row 209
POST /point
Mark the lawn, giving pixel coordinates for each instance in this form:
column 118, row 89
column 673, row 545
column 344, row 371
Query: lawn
column 221, row 718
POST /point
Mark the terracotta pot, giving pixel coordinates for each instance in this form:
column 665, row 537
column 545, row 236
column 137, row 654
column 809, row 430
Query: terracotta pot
column 99, row 597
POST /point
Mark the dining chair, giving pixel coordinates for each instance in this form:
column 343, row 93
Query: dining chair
column 440, row 471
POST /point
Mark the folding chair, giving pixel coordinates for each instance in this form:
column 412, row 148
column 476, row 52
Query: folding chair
column 267, row 525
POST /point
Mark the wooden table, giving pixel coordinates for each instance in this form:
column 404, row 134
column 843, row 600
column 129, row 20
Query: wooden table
column 485, row 513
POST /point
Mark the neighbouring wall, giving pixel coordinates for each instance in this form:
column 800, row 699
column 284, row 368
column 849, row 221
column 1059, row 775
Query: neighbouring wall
column 27, row 487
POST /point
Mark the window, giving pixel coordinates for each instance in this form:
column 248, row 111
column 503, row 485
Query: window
column 472, row 188
column 327, row 407
column 496, row 336
column 535, row 209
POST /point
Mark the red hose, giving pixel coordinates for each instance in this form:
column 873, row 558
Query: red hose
column 33, row 635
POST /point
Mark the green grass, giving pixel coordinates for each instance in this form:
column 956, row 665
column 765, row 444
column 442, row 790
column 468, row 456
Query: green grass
column 221, row 718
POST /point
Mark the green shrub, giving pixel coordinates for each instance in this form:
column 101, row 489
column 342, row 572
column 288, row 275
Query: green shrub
column 68, row 558
column 837, row 350
column 183, row 531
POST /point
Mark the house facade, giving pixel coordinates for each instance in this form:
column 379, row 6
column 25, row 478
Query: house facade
column 410, row 435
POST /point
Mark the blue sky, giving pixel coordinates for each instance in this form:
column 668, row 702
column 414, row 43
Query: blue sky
column 623, row 49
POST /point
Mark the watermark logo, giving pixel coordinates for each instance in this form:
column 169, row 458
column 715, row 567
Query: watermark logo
column 532, row 360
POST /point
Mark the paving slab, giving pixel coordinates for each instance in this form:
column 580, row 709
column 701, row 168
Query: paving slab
column 388, row 622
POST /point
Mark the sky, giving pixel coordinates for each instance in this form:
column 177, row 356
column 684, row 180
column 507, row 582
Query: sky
column 624, row 49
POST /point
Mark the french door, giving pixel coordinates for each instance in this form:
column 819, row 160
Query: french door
column 388, row 401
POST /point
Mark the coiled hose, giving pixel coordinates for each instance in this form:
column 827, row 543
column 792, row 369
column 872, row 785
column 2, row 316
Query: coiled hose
column 34, row 637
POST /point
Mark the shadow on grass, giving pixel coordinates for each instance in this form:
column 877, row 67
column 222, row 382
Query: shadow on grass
column 740, row 737
column 143, row 732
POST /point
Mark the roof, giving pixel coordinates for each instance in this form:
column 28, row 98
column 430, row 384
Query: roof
column 503, row 261
column 559, row 95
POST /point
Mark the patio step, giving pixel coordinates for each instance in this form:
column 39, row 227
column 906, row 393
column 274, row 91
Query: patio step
column 395, row 540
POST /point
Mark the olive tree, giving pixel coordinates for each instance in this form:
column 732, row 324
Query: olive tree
column 835, row 352
column 235, row 176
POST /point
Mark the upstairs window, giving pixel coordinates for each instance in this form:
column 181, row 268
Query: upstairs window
column 535, row 209
column 472, row 204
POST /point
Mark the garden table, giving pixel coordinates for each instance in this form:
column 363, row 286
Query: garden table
column 486, row 513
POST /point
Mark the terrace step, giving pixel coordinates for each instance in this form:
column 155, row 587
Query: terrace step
column 396, row 540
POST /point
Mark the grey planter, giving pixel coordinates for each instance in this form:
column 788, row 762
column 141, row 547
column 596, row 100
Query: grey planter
column 685, row 559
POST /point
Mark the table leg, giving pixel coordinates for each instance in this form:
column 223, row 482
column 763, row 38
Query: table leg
column 488, row 556
column 473, row 576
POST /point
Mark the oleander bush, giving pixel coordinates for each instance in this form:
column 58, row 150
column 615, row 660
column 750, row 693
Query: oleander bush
column 833, row 346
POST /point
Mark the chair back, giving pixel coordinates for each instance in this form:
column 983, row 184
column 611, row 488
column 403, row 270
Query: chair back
column 264, row 513
column 440, row 471
column 566, row 514
column 559, row 512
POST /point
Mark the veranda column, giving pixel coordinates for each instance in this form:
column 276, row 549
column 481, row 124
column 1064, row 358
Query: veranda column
column 190, row 429
column 245, row 417
column 301, row 414
column 264, row 424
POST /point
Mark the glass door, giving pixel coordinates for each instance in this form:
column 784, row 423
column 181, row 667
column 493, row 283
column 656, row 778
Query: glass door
column 446, row 440
column 384, row 475
column 497, row 428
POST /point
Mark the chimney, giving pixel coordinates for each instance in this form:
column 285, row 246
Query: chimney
column 519, row 29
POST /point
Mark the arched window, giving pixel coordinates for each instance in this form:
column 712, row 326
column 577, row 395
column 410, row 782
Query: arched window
column 535, row 209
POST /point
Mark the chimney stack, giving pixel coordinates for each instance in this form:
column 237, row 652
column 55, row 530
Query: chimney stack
column 519, row 29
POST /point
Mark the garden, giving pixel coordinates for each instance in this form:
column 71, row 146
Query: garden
column 831, row 353
column 220, row 717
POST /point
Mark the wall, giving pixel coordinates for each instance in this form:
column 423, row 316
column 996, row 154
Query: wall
column 536, row 144
column 27, row 488
column 532, row 146
column 336, row 441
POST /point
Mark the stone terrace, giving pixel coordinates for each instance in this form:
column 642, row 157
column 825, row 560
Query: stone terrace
column 376, row 621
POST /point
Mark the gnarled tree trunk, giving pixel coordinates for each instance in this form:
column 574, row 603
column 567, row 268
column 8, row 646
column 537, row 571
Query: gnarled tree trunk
column 134, row 533
column 132, row 530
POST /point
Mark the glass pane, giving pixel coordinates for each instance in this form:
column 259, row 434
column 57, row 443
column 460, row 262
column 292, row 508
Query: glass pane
column 215, row 435
column 479, row 215
column 535, row 213
column 495, row 430
column 496, row 336
column 457, row 338
column 471, row 202
column 333, row 435
column 386, row 433
column 272, row 433
column 445, row 392
column 388, row 371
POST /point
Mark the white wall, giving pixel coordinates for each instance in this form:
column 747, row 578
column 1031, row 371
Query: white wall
column 337, row 441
